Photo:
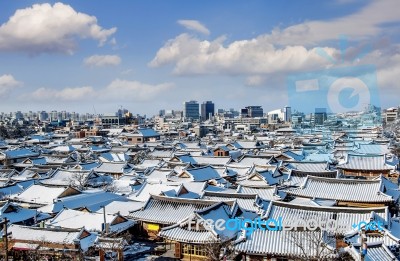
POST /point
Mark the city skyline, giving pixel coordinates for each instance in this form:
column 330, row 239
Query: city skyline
column 150, row 57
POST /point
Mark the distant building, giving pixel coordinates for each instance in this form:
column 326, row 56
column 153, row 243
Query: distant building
column 297, row 120
column 140, row 135
column 287, row 113
column 191, row 110
column 53, row 115
column 320, row 116
column 276, row 116
column 207, row 110
column 391, row 114
column 252, row 111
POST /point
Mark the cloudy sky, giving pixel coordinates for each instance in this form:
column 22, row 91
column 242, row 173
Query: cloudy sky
column 88, row 56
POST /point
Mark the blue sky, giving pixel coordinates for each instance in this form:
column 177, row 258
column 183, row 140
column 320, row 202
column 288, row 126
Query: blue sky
column 152, row 55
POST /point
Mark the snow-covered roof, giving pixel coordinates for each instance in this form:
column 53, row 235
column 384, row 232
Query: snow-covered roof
column 58, row 236
column 90, row 199
column 282, row 243
column 366, row 162
column 367, row 191
column 40, row 194
column 172, row 209
column 69, row 218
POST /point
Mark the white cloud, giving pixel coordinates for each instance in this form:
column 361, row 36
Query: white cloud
column 117, row 90
column 7, row 84
column 66, row 94
column 45, row 28
column 127, row 71
column 292, row 49
column 255, row 80
column 194, row 25
column 256, row 56
column 102, row 60
column 133, row 90
column 368, row 22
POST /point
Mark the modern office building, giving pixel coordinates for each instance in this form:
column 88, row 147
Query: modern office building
column 391, row 114
column 207, row 110
column 191, row 110
column 320, row 116
column 252, row 111
column 287, row 113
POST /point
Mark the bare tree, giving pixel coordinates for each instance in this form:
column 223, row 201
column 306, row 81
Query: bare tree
column 316, row 245
column 313, row 245
column 79, row 180
column 221, row 249
column 111, row 246
column 139, row 157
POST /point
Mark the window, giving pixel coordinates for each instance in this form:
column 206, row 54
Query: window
column 194, row 250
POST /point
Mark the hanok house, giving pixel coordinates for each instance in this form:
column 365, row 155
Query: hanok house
column 64, row 244
column 296, row 215
column 221, row 151
column 195, row 239
column 93, row 221
column 140, row 136
column 10, row 157
column 161, row 211
column 284, row 245
column 346, row 192
column 368, row 166
column 39, row 195
column 16, row 214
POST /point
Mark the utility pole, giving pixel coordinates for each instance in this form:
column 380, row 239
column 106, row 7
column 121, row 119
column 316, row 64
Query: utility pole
column 105, row 220
column 364, row 246
column 5, row 236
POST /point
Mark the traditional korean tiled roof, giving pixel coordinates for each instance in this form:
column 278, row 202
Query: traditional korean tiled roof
column 368, row 191
column 306, row 166
column 249, row 202
column 90, row 199
column 20, row 153
column 249, row 161
column 365, row 162
column 266, row 193
column 378, row 252
column 15, row 213
column 59, row 236
column 112, row 167
column 213, row 161
column 203, row 173
column 177, row 233
column 173, row 209
column 114, row 157
column 39, row 194
column 69, row 218
column 373, row 149
column 346, row 216
column 62, row 177
column 282, row 243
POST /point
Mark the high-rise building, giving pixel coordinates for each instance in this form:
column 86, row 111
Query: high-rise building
column 253, row 111
column 320, row 116
column 43, row 116
column 53, row 115
column 191, row 110
column 287, row 113
column 207, row 110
